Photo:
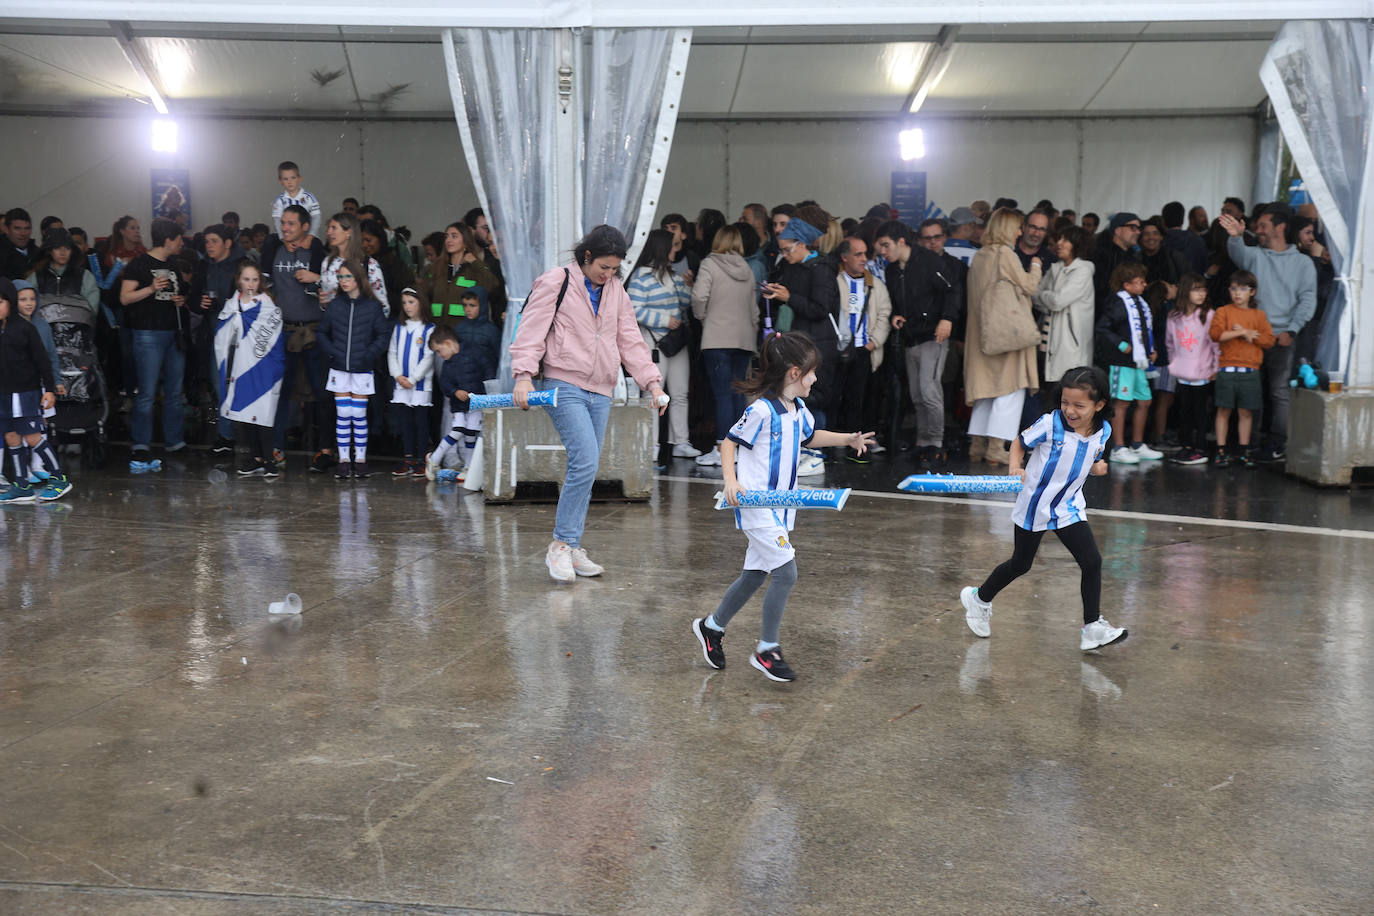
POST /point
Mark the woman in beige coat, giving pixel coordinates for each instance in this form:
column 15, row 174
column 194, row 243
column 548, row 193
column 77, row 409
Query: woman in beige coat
column 724, row 300
column 996, row 385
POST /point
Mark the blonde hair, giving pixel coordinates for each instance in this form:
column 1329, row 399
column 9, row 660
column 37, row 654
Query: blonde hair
column 1004, row 226
column 831, row 238
column 727, row 241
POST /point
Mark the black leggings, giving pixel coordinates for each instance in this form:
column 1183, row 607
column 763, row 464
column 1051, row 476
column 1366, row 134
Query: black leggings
column 1078, row 537
column 257, row 439
column 1194, row 419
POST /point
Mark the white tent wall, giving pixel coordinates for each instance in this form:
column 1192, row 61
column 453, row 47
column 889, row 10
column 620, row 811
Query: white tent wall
column 1135, row 163
column 90, row 171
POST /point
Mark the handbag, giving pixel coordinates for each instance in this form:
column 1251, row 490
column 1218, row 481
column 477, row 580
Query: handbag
column 1006, row 325
column 671, row 344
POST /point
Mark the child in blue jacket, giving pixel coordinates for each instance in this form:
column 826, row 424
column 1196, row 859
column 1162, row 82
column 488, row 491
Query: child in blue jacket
column 466, row 367
column 352, row 335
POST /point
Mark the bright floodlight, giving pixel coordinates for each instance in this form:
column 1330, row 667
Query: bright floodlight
column 164, row 136
column 913, row 144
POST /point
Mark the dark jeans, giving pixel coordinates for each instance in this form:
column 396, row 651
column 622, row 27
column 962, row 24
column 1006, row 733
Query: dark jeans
column 316, row 372
column 725, row 367
column 1078, row 537
column 414, row 425
column 1278, row 367
column 1194, row 418
column 256, row 439
column 853, row 377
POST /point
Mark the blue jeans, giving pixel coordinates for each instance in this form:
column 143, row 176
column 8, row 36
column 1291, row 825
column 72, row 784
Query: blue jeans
column 317, row 373
column 724, row 368
column 156, row 357
column 580, row 419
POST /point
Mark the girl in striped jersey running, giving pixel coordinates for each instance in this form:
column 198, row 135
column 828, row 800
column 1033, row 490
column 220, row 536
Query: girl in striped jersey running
column 768, row 439
column 1065, row 446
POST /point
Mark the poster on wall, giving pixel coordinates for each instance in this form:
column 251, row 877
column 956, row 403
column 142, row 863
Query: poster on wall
column 172, row 194
column 909, row 196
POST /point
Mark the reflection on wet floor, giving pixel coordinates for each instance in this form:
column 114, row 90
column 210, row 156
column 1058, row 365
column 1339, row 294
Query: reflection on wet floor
column 444, row 727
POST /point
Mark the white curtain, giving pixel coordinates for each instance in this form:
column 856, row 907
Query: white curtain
column 505, row 87
column 1317, row 77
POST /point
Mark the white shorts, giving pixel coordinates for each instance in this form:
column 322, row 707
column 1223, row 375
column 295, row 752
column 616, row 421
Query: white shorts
column 769, row 548
column 412, row 397
column 467, row 419
column 351, row 382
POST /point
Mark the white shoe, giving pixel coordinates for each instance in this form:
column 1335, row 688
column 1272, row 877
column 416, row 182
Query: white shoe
column 710, row 460
column 977, row 613
column 1100, row 633
column 1145, row 453
column 810, row 466
column 1123, row 455
column 582, row 564
column 431, row 469
column 685, row 450
column 876, row 449
column 560, row 563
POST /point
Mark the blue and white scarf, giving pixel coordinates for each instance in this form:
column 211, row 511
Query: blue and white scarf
column 1142, row 328
column 250, row 357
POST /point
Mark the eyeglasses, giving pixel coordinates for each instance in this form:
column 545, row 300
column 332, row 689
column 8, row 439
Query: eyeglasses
column 1234, row 287
column 345, row 276
column 1135, row 226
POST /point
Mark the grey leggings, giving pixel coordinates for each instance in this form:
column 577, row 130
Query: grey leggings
column 774, row 600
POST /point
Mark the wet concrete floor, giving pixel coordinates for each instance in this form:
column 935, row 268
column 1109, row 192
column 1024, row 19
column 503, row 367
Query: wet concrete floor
column 445, row 730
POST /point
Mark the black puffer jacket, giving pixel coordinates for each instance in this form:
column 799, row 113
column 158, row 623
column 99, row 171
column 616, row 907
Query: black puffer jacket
column 925, row 293
column 814, row 298
column 24, row 363
column 353, row 333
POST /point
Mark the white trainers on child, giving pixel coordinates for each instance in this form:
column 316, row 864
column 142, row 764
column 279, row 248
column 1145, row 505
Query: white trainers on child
column 977, row 613
column 685, row 450
column 560, row 563
column 710, row 460
column 1100, row 633
column 582, row 564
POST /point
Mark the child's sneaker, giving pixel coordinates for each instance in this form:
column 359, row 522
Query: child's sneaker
column 1246, row 460
column 254, row 468
column 56, row 487
column 771, row 663
column 1223, row 460
column 1123, row 455
column 417, row 469
column 343, row 470
column 1145, row 453
column 18, row 493
column 270, row 470
column 977, row 612
column 431, row 467
column 559, row 561
column 1100, row 633
column 582, row 564
column 360, row 469
column 222, row 446
column 711, row 648
column 403, row 469
column 1190, row 456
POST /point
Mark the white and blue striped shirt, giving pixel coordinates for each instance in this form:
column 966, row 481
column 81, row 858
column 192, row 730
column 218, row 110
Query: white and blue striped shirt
column 1060, row 460
column 304, row 199
column 770, row 437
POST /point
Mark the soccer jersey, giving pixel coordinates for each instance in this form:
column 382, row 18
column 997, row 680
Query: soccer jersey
column 1060, row 460
column 770, row 437
column 304, row 199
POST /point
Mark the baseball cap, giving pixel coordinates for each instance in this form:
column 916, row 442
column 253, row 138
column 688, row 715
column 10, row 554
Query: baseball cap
column 962, row 216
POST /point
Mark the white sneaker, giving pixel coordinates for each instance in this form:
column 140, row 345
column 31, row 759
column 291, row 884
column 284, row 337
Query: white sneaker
column 876, row 449
column 1123, row 455
column 1100, row 633
column 977, row 613
column 1145, row 453
column 582, row 564
column 431, row 468
column 685, row 450
column 810, row 465
column 560, row 562
column 710, row 460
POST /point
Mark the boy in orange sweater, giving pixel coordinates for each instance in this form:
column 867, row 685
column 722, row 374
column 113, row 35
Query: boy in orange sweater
column 1244, row 334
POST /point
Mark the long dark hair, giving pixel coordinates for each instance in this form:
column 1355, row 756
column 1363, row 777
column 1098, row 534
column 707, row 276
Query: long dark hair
column 602, row 242
column 780, row 353
column 655, row 254
column 1085, row 378
column 360, row 277
column 709, row 222
column 1183, row 301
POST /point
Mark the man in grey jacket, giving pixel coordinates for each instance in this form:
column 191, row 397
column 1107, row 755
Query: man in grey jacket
column 1288, row 296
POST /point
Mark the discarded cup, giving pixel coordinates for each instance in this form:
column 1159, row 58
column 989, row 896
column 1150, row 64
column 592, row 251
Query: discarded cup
column 291, row 604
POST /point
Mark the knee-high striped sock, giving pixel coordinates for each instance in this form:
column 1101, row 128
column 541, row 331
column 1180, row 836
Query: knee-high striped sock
column 441, row 450
column 360, row 429
column 343, row 427
column 17, row 464
column 44, row 461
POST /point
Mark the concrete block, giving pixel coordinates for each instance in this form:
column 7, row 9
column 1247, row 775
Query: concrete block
column 1330, row 434
column 520, row 446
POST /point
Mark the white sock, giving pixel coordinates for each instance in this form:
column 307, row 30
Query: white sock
column 711, row 622
column 765, row 646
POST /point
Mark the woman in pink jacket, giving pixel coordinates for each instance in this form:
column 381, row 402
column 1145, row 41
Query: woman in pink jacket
column 577, row 328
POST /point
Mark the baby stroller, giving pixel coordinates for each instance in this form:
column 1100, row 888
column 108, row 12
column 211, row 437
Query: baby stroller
column 84, row 409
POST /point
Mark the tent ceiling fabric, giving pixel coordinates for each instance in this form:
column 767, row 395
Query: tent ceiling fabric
column 734, row 73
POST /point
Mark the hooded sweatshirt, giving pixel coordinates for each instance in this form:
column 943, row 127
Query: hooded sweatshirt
column 481, row 334
column 24, row 365
column 723, row 300
column 1287, row 281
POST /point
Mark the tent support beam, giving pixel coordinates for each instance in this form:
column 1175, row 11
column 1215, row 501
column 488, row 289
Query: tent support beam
column 124, row 36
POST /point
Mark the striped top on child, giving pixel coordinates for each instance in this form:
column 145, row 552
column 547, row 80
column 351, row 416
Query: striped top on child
column 770, row 438
column 304, row 199
column 1060, row 460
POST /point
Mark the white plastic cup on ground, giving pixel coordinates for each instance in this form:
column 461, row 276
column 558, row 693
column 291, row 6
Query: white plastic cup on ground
column 291, row 604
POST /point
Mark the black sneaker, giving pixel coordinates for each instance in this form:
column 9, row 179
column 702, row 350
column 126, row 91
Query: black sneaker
column 1222, row 460
column 255, row 467
column 270, row 470
column 360, row 469
column 343, row 470
column 1272, row 455
column 710, row 639
column 222, row 446
column 771, row 663
column 322, row 462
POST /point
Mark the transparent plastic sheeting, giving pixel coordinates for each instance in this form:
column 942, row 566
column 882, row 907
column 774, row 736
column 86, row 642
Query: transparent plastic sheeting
column 1317, row 76
column 509, row 80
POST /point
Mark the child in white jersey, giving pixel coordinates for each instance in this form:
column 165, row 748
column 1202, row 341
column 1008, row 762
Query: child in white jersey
column 771, row 433
column 289, row 175
column 411, row 363
column 1065, row 446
